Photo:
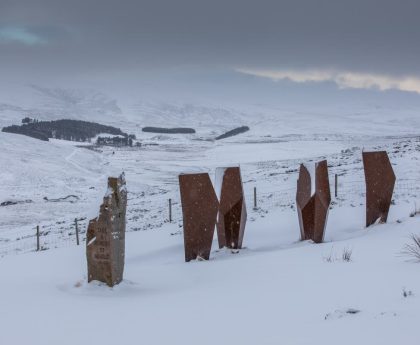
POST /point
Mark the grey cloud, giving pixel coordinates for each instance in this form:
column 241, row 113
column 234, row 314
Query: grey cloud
column 32, row 35
column 20, row 35
column 370, row 36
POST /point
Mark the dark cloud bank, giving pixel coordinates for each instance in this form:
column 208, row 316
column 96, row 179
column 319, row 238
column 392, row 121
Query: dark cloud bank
column 100, row 39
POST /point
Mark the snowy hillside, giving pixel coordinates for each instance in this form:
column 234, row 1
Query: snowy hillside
column 56, row 103
column 275, row 290
column 278, row 114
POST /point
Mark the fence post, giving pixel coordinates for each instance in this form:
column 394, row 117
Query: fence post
column 170, row 210
column 255, row 198
column 336, row 185
column 77, row 231
column 37, row 238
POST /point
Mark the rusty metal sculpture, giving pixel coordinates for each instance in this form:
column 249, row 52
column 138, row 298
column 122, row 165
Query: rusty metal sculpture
column 105, row 239
column 380, row 181
column 232, row 210
column 199, row 211
column 313, row 205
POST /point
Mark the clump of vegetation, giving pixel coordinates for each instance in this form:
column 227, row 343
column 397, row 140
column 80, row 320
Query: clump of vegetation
column 412, row 249
column 346, row 256
column 407, row 293
column 415, row 212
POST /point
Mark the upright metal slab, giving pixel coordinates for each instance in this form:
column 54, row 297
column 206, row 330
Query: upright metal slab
column 313, row 209
column 105, row 239
column 232, row 209
column 304, row 203
column 199, row 210
column 380, row 182
column 322, row 200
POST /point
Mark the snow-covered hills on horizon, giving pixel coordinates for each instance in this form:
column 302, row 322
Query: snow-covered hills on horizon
column 219, row 103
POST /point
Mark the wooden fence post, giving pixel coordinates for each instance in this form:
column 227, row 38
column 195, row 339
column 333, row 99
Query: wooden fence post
column 170, row 210
column 255, row 198
column 77, row 231
column 336, row 185
column 37, row 239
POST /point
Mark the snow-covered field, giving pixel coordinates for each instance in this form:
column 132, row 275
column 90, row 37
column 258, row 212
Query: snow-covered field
column 277, row 290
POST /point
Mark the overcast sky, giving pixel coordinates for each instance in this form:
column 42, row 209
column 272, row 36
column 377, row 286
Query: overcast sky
column 353, row 43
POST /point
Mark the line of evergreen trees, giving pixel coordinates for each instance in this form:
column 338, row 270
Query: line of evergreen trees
column 178, row 130
column 73, row 130
column 233, row 132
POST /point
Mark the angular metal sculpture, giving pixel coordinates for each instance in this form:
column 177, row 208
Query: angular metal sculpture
column 380, row 181
column 105, row 239
column 232, row 209
column 199, row 211
column 313, row 203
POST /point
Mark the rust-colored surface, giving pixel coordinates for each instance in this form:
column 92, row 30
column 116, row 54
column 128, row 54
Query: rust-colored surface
column 232, row 209
column 380, row 181
column 199, row 211
column 105, row 239
column 313, row 209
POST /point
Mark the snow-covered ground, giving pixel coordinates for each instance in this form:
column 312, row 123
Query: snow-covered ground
column 276, row 290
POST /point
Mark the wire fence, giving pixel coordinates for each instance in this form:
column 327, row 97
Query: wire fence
column 72, row 232
column 40, row 238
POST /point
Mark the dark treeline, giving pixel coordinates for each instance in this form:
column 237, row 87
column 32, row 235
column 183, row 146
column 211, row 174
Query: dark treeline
column 161, row 130
column 73, row 130
column 233, row 132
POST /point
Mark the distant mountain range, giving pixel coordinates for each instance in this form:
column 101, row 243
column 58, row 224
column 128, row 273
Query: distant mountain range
column 213, row 106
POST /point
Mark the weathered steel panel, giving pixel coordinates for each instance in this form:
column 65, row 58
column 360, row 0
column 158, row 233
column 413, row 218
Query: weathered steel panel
column 313, row 209
column 380, row 182
column 232, row 210
column 199, row 210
